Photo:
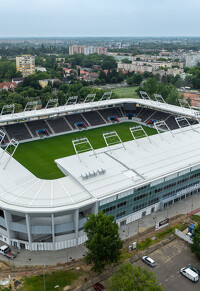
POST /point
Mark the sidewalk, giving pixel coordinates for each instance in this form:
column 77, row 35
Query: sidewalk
column 189, row 206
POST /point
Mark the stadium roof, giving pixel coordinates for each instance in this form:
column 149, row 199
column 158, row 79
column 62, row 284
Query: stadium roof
column 94, row 105
column 109, row 172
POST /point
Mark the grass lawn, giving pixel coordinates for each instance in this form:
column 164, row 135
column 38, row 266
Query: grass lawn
column 38, row 156
column 61, row 278
column 126, row 92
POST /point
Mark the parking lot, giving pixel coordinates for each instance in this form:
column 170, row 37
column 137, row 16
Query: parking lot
column 170, row 259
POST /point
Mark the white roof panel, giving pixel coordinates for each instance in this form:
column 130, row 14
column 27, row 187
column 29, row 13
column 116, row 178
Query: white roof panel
column 116, row 170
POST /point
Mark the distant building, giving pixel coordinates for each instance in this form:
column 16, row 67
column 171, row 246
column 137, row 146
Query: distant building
column 87, row 50
column 18, row 80
column 192, row 59
column 26, row 65
column 41, row 69
column 8, row 86
column 62, row 60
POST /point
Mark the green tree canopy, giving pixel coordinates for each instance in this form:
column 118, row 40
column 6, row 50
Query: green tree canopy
column 195, row 246
column 133, row 278
column 104, row 243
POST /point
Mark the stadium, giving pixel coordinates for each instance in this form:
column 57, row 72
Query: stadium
column 126, row 157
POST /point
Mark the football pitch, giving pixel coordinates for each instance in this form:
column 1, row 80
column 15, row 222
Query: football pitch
column 38, row 156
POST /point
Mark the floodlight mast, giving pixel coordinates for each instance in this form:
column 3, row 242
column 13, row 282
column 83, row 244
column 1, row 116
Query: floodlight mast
column 106, row 96
column 159, row 98
column 31, row 103
column 159, row 124
column 5, row 107
column 182, row 122
column 141, row 130
column 82, row 142
column 13, row 143
column 89, row 98
column 183, row 102
column 50, row 102
column 114, row 139
column 2, row 135
column 197, row 115
column 72, row 100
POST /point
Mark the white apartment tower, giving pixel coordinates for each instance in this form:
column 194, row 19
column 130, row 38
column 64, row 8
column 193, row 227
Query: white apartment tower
column 26, row 65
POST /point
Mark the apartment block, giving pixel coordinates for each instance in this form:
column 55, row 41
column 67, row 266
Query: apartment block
column 26, row 65
column 87, row 50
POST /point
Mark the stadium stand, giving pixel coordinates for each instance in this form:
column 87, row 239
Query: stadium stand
column 110, row 112
column 145, row 114
column 93, row 118
column 18, row 130
column 37, row 125
column 75, row 118
column 59, row 125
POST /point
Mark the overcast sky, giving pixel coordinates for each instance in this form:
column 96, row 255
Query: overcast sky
column 99, row 18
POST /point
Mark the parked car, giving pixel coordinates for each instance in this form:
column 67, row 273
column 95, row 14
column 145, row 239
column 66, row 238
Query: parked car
column 188, row 273
column 149, row 261
column 99, row 287
column 196, row 270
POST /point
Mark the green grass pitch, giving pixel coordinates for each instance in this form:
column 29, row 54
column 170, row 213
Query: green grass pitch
column 38, row 156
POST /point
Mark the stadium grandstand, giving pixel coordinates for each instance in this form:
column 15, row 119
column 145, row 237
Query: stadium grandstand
column 127, row 179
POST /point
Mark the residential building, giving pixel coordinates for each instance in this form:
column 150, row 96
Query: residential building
column 26, row 65
column 41, row 69
column 87, row 50
column 8, row 86
column 192, row 59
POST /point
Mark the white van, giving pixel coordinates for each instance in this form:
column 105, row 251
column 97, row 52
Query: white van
column 190, row 274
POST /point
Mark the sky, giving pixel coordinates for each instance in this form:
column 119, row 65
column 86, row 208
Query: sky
column 81, row 18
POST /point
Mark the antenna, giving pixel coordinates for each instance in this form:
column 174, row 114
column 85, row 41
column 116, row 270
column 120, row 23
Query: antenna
column 112, row 138
column 138, row 132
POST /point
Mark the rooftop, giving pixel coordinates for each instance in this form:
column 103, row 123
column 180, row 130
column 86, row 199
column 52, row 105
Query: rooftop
column 109, row 172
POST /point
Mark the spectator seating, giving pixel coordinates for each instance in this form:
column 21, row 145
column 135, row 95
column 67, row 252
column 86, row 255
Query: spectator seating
column 114, row 111
column 93, row 118
column 18, row 131
column 59, row 125
column 74, row 118
column 37, row 125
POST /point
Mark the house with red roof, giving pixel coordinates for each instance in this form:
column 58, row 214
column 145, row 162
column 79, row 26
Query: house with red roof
column 8, row 86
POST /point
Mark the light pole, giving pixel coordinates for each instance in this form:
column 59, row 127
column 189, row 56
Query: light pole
column 138, row 234
column 155, row 224
column 44, row 277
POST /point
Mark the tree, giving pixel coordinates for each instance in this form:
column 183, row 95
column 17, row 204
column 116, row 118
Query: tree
column 104, row 243
column 133, row 278
column 195, row 246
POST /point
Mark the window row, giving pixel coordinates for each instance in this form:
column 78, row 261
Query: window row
column 121, row 213
column 140, row 197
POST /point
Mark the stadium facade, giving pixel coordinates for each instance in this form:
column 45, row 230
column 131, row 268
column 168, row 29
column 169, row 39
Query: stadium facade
column 129, row 180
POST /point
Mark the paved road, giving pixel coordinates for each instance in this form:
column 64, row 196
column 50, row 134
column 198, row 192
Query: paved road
column 51, row 258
